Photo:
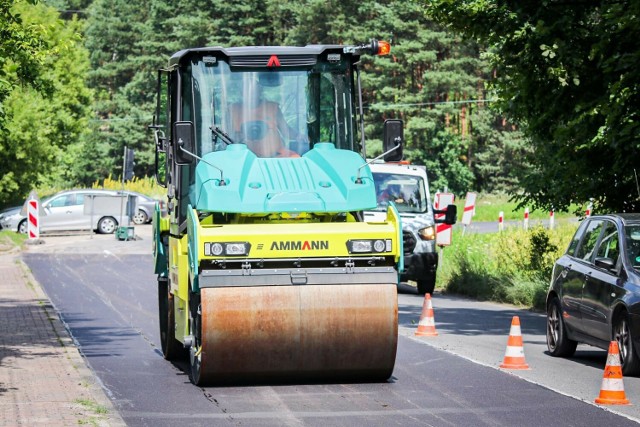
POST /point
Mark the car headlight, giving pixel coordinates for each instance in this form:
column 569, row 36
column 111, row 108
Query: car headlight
column 427, row 233
column 369, row 246
column 227, row 248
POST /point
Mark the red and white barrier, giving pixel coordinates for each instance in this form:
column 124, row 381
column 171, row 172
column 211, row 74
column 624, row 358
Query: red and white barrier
column 587, row 213
column 443, row 231
column 469, row 208
column 33, row 219
column 551, row 220
column 500, row 221
column 526, row 218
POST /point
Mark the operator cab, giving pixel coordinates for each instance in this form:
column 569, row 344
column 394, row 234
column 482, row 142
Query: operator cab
column 258, row 104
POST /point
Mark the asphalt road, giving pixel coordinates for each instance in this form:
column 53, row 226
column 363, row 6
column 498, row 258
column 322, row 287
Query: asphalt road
column 105, row 293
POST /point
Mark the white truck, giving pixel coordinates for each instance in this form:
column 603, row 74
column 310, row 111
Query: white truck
column 407, row 186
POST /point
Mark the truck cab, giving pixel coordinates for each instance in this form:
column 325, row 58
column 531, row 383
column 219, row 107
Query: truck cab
column 407, row 186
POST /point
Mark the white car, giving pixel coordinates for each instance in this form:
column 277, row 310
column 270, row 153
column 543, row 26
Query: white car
column 66, row 211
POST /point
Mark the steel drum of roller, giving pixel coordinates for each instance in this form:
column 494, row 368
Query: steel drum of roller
column 289, row 333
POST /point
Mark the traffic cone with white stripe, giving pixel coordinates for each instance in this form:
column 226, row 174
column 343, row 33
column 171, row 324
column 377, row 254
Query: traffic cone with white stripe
column 427, row 324
column 612, row 390
column 514, row 355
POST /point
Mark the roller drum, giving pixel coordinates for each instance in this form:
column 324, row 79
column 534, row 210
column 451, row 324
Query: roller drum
column 328, row 332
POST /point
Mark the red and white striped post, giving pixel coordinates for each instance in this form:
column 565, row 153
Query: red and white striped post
column 587, row 213
column 500, row 221
column 33, row 219
column 526, row 218
column 469, row 210
column 551, row 220
column 443, row 231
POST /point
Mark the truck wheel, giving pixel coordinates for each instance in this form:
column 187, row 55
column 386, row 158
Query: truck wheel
column 107, row 225
column 171, row 348
column 558, row 343
column 427, row 284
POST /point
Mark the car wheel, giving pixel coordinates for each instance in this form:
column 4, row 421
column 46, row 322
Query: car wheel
column 22, row 227
column 427, row 284
column 140, row 217
column 558, row 343
column 628, row 354
column 107, row 225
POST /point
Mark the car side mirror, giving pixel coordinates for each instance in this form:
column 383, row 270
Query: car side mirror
column 450, row 215
column 393, row 140
column 183, row 141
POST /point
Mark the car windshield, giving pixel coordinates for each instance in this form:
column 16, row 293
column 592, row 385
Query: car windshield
column 406, row 191
column 277, row 113
column 632, row 233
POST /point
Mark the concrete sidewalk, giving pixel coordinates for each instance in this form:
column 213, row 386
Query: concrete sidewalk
column 43, row 378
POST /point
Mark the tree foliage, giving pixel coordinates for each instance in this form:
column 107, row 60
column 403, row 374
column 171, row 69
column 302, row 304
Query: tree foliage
column 47, row 107
column 434, row 81
column 567, row 71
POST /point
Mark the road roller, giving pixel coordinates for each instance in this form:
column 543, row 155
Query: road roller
column 266, row 268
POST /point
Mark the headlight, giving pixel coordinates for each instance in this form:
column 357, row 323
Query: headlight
column 427, row 233
column 369, row 246
column 226, row 249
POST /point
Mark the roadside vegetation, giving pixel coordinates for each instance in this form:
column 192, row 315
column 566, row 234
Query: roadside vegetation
column 144, row 185
column 10, row 241
column 489, row 206
column 513, row 266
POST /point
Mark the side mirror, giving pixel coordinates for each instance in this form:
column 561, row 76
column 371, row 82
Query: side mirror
column 450, row 215
column 393, row 140
column 160, row 140
column 182, row 141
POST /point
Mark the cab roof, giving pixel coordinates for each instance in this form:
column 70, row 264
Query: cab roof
column 257, row 53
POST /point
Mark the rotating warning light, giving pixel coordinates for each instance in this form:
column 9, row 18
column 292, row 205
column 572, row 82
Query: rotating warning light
column 384, row 48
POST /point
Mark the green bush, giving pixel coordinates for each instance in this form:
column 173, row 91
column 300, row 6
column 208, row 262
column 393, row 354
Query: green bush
column 513, row 266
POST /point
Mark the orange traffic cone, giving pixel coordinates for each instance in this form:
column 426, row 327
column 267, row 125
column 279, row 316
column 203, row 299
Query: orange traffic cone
column 612, row 390
column 514, row 355
column 427, row 324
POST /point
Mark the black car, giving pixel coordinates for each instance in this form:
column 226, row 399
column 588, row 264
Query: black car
column 594, row 296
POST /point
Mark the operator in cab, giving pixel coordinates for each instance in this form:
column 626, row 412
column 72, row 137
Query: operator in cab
column 259, row 122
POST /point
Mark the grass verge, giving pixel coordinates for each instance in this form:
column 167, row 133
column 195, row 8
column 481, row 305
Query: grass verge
column 10, row 240
column 513, row 266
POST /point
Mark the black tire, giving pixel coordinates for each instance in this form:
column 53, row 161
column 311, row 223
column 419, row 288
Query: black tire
column 195, row 357
column 107, row 225
column 427, row 284
column 171, row 348
column 22, row 227
column 558, row 344
column 628, row 354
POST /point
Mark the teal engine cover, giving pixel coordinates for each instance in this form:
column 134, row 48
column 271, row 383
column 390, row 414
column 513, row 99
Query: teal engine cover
column 322, row 180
